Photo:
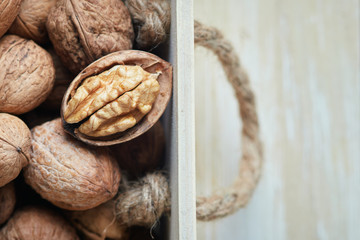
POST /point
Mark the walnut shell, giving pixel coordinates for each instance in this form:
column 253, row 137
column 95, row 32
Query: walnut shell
column 7, row 201
column 9, row 9
column 31, row 20
column 148, row 62
column 68, row 173
column 27, row 75
column 63, row 78
column 142, row 154
column 35, row 223
column 15, row 147
column 99, row 223
column 85, row 30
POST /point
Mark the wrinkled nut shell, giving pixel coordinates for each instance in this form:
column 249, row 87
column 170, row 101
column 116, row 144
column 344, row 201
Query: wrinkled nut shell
column 63, row 78
column 99, row 223
column 7, row 201
column 31, row 20
column 26, row 77
column 83, row 31
column 69, row 173
column 148, row 62
column 35, row 223
column 142, row 154
column 15, row 147
column 9, row 9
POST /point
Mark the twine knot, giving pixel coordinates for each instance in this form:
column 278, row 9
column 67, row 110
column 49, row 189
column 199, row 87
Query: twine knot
column 151, row 20
column 144, row 202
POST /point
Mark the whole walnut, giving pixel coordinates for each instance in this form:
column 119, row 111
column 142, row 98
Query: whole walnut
column 63, row 78
column 9, row 9
column 7, row 201
column 15, row 147
column 99, row 223
column 69, row 173
column 36, row 223
column 142, row 154
column 26, row 77
column 30, row 22
column 85, row 30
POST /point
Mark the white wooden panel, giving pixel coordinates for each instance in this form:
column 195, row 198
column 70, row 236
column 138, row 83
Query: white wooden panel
column 303, row 61
column 182, row 222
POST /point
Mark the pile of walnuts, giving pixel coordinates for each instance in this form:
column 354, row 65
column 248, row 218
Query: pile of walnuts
column 79, row 114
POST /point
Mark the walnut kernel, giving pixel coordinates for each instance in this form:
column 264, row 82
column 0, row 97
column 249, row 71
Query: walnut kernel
column 117, row 97
column 114, row 100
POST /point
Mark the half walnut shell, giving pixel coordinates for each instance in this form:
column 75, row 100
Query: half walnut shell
column 117, row 97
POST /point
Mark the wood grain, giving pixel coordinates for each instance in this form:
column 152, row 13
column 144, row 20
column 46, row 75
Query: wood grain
column 303, row 60
column 182, row 144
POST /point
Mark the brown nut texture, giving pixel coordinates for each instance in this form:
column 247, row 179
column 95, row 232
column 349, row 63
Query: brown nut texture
column 9, row 9
column 15, row 147
column 142, row 154
column 31, row 20
column 26, row 77
column 117, row 97
column 69, row 173
column 63, row 78
column 36, row 223
column 7, row 201
column 85, row 30
column 99, row 223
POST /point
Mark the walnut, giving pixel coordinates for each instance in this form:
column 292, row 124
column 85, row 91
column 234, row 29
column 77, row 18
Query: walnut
column 117, row 98
column 15, row 147
column 35, row 223
column 85, row 30
column 30, row 22
column 99, row 223
column 63, row 78
column 7, row 201
column 26, row 77
column 125, row 93
column 142, row 154
column 9, row 9
column 68, row 173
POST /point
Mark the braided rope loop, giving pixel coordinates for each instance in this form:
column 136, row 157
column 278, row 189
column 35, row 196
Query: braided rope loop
column 238, row 194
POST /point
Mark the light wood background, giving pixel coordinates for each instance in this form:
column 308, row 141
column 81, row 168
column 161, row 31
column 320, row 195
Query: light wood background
column 303, row 61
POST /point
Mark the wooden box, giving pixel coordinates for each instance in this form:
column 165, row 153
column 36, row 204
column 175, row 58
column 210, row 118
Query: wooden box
column 180, row 123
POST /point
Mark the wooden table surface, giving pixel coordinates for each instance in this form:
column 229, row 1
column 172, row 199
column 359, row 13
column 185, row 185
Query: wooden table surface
column 303, row 61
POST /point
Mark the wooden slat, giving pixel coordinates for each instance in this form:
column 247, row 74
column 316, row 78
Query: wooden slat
column 183, row 223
